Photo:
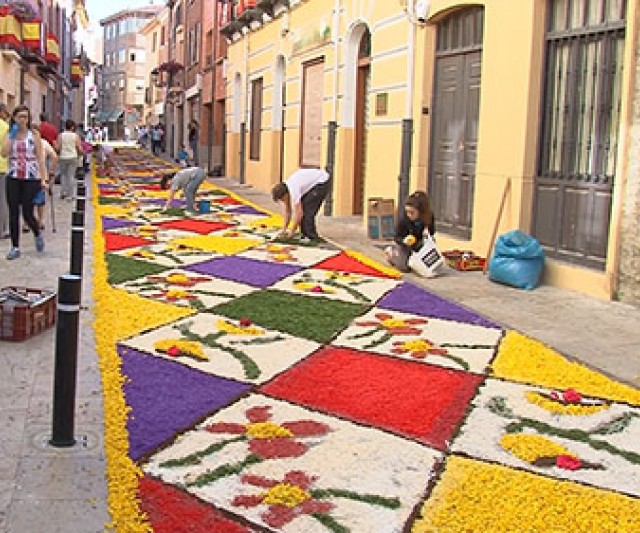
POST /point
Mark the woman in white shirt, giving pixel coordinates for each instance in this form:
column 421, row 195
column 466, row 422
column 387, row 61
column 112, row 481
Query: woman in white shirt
column 69, row 148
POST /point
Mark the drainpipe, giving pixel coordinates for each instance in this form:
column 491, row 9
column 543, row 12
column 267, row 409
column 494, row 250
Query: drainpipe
column 214, row 59
column 407, row 124
column 243, row 150
column 331, row 160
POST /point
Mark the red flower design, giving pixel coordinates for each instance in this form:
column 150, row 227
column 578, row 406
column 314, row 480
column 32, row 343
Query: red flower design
column 568, row 462
column 571, row 396
column 269, row 440
column 287, row 499
column 245, row 322
column 395, row 326
column 174, row 351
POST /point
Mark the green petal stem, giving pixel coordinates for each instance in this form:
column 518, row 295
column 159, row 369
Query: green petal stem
column 224, row 471
column 371, row 499
column 196, row 457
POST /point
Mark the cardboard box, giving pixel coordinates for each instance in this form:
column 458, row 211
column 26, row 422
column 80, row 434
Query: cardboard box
column 381, row 214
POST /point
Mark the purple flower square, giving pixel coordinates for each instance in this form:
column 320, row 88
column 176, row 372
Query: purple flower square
column 409, row 298
column 109, row 223
column 244, row 270
column 167, row 398
column 246, row 210
column 160, row 202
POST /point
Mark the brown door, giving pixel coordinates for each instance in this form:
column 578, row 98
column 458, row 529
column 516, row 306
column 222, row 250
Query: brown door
column 580, row 134
column 312, row 99
column 360, row 136
column 455, row 141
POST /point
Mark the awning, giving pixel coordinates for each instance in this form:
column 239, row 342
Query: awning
column 115, row 115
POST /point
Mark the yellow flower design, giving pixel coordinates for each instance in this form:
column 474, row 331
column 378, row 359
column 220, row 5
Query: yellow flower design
column 140, row 253
column 177, row 347
column 286, row 495
column 177, row 279
column 530, row 448
column 559, row 408
column 232, row 329
column 308, row 286
column 267, row 430
column 177, row 294
column 343, row 276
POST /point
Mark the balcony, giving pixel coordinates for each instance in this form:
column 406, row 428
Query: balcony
column 251, row 12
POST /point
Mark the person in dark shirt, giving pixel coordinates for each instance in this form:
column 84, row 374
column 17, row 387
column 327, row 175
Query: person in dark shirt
column 416, row 220
column 48, row 131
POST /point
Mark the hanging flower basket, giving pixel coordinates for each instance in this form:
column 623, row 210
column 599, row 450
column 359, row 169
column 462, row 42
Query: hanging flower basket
column 171, row 67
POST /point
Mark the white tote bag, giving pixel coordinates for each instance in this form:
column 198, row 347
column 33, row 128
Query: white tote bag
column 427, row 260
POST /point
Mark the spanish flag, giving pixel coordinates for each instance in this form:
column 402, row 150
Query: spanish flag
column 52, row 54
column 10, row 30
column 31, row 35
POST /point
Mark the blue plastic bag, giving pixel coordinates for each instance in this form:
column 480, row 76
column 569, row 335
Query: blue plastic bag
column 518, row 260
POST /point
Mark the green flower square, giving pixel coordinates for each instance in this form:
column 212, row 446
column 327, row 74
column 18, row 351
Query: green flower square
column 123, row 269
column 317, row 319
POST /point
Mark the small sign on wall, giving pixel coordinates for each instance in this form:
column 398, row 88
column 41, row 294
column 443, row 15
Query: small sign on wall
column 382, row 104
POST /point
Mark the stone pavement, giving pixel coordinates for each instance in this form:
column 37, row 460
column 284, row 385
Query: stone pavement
column 58, row 490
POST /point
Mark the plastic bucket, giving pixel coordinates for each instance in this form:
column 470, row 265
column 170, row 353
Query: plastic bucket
column 205, row 206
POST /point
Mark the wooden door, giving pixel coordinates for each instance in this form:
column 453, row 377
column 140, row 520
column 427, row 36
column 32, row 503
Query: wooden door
column 312, row 99
column 455, row 141
column 359, row 167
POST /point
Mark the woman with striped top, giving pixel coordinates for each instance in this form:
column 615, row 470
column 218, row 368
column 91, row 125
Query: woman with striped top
column 27, row 174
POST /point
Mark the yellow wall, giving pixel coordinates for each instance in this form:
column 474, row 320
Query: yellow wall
column 509, row 113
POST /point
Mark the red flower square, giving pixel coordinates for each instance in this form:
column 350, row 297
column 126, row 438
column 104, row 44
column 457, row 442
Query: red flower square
column 203, row 227
column 423, row 402
column 115, row 241
column 345, row 263
column 171, row 510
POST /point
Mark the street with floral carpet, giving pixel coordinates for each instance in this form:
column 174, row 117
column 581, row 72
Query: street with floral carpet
column 252, row 385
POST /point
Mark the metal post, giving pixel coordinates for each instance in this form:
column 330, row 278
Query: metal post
column 81, row 197
column 243, row 149
column 330, row 168
column 66, row 361
column 405, row 161
column 77, row 242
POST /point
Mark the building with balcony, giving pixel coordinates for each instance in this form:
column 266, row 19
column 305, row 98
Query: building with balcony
column 124, row 71
column 36, row 48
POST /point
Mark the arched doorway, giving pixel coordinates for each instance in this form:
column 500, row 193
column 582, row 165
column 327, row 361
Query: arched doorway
column 361, row 107
column 454, row 127
column 580, row 129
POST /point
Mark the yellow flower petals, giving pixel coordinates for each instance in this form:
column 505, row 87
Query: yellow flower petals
column 529, row 448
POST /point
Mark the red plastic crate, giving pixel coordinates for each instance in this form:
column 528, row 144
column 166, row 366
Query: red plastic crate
column 19, row 321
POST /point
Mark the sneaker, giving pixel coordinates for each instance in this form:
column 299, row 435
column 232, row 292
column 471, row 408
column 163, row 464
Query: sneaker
column 40, row 243
column 14, row 253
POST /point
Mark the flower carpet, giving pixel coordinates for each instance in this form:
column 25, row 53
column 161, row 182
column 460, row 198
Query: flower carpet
column 253, row 385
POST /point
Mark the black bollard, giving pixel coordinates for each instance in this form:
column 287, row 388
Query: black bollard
column 77, row 242
column 81, row 197
column 66, row 361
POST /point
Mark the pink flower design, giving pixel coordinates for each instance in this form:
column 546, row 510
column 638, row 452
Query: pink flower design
column 269, row 440
column 286, row 499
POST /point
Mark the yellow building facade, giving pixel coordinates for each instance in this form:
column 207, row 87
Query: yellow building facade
column 474, row 101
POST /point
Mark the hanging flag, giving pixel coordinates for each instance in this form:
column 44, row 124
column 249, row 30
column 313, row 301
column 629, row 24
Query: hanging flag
column 31, row 38
column 52, row 54
column 76, row 72
column 10, row 30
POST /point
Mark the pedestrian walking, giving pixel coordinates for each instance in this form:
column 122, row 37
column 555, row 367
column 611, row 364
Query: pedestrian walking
column 302, row 193
column 4, row 167
column 26, row 175
column 156, row 139
column 187, row 180
column 48, row 131
column 69, row 150
column 51, row 162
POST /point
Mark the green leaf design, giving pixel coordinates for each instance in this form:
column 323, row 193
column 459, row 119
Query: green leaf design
column 498, row 405
column 617, row 425
column 371, row 499
column 330, row 523
column 196, row 457
column 384, row 338
column 224, row 471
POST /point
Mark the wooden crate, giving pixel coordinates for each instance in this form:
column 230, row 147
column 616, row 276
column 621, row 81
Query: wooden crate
column 21, row 320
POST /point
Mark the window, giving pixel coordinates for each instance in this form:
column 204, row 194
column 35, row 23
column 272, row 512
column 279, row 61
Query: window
column 154, row 41
column 122, row 55
column 139, row 84
column 256, row 119
column 121, row 83
column 194, row 48
column 162, row 36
